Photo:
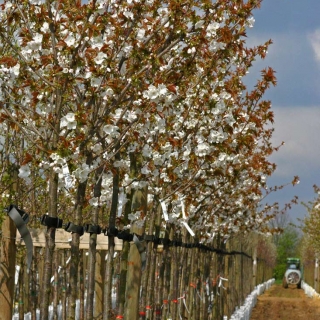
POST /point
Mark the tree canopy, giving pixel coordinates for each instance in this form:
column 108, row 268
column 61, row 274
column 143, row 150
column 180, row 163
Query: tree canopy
column 162, row 80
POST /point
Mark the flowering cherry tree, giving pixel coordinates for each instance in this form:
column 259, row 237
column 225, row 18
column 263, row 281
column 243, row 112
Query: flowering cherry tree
column 99, row 87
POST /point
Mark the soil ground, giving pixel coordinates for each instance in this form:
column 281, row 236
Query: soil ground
column 278, row 303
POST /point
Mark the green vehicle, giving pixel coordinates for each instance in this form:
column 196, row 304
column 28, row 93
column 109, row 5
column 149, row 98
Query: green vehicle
column 292, row 275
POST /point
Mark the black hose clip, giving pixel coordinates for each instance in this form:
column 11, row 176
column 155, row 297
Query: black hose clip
column 89, row 228
column 70, row 227
column 51, row 222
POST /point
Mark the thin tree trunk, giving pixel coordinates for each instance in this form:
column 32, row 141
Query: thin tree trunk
column 93, row 250
column 134, row 263
column 75, row 253
column 192, row 283
column 161, row 297
column 166, row 260
column 33, row 289
column 32, row 272
column 49, row 249
column 254, row 267
column 91, row 272
column 154, row 229
column 8, row 251
column 221, row 268
column 133, row 286
column 215, row 275
column 126, row 245
column 27, row 289
column 207, row 282
column 174, row 278
column 151, row 285
column 100, row 268
column 116, row 281
column 145, row 276
column 184, row 273
column 111, row 244
column 223, row 292
column 108, row 280
column 157, row 293
column 21, row 290
column 198, row 279
column 52, row 208
column 55, row 285
column 7, row 268
column 123, row 276
column 82, row 279
column 64, row 286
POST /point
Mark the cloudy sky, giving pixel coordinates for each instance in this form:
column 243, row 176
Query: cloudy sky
column 294, row 27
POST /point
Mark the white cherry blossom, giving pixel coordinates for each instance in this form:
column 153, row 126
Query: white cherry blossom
column 69, row 121
column 24, row 171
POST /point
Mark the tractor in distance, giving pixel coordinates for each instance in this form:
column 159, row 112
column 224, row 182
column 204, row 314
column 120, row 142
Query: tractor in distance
column 292, row 275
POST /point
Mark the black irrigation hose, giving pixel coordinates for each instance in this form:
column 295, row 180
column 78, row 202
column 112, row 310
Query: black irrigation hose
column 127, row 236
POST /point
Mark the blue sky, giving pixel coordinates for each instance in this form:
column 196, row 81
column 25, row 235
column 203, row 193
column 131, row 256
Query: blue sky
column 294, row 27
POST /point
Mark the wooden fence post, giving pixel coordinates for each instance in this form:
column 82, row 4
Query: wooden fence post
column 133, row 283
column 134, row 271
column 7, row 268
column 99, row 271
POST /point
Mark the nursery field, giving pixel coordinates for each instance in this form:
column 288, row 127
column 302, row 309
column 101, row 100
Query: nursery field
column 283, row 304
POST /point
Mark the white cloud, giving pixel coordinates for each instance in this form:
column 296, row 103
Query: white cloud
column 299, row 128
column 314, row 39
column 289, row 54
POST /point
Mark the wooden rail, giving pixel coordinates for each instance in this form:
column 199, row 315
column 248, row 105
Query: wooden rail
column 63, row 239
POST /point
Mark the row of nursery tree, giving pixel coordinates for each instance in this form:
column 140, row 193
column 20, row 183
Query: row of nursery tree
column 299, row 241
column 178, row 282
column 310, row 244
column 131, row 116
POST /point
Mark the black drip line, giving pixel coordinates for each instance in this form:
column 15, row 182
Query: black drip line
column 125, row 235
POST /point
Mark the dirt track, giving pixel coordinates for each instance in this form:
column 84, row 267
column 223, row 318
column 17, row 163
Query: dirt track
column 286, row 304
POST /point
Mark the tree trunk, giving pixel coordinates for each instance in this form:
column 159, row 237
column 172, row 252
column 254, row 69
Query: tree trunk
column 93, row 251
column 192, row 282
column 21, row 290
column 126, row 245
column 162, row 297
column 75, row 253
column 254, row 267
column 133, row 284
column 108, row 280
column 123, row 276
column 82, row 279
column 55, row 286
column 8, row 251
column 134, row 272
column 91, row 273
column 64, row 286
column 7, row 268
column 174, row 278
column 100, row 268
column 49, row 249
column 33, row 283
column 166, row 261
column 73, row 276
column 154, row 229
column 111, row 244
